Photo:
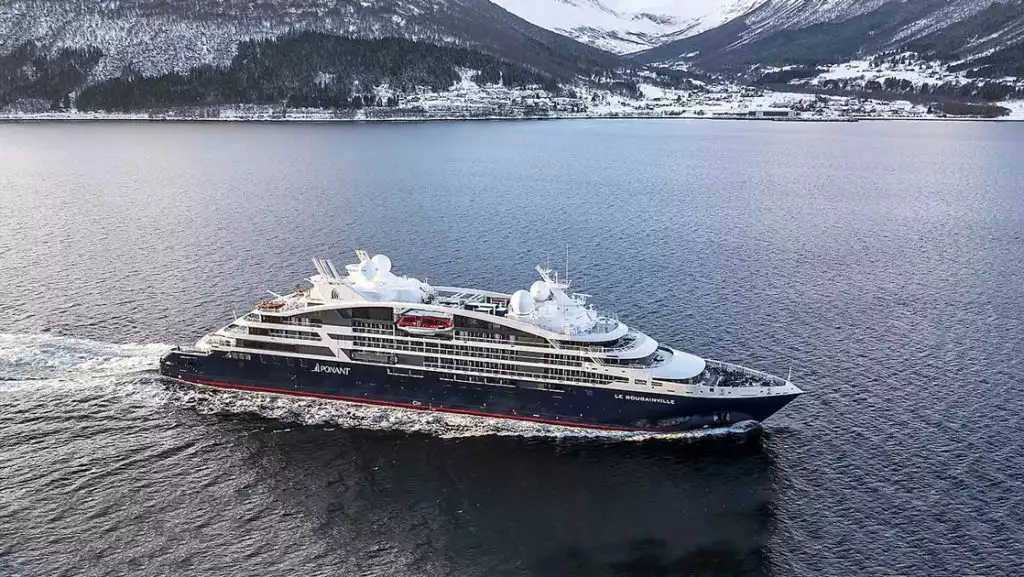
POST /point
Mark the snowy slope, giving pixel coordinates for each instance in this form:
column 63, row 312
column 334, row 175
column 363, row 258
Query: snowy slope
column 157, row 36
column 625, row 26
column 781, row 32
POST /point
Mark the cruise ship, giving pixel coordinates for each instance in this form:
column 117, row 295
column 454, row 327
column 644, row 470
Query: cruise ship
column 540, row 354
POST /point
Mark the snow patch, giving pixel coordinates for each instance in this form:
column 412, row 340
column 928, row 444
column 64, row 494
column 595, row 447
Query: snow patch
column 907, row 66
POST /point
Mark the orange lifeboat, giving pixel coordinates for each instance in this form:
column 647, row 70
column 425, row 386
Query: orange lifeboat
column 425, row 323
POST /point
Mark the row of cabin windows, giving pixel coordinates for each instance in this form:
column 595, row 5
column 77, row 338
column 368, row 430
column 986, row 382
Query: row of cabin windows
column 301, row 349
column 376, row 325
column 369, row 313
column 468, row 351
column 518, row 338
column 383, row 318
column 298, row 321
column 642, row 361
column 386, row 317
column 493, row 330
column 614, row 344
column 574, row 375
column 335, row 316
column 286, row 334
column 552, row 373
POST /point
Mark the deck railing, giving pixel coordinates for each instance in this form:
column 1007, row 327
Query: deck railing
column 630, row 337
column 774, row 380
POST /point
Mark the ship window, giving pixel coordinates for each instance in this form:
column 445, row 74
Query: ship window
column 311, row 350
column 373, row 313
column 688, row 381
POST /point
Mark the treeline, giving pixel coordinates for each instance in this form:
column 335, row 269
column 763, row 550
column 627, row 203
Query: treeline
column 28, row 73
column 990, row 91
column 788, row 74
column 1001, row 63
column 966, row 109
column 947, row 44
column 975, row 32
column 1008, row 61
column 311, row 69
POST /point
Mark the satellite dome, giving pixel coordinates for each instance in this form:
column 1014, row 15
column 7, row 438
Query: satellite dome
column 521, row 302
column 540, row 291
column 368, row 269
column 383, row 263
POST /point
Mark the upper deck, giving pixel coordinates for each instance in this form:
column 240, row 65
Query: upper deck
column 546, row 310
column 371, row 308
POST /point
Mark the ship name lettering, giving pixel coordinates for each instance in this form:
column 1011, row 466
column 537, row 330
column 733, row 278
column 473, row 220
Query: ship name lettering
column 332, row 370
column 645, row 399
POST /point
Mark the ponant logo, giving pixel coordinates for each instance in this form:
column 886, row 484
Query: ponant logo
column 331, row 370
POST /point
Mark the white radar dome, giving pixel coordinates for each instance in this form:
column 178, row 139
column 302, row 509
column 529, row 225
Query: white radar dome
column 368, row 269
column 383, row 263
column 540, row 291
column 521, row 302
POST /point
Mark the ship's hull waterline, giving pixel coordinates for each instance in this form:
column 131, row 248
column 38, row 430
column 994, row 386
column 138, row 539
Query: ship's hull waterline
column 574, row 406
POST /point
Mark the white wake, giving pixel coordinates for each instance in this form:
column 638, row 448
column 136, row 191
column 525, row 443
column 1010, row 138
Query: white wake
column 45, row 356
column 342, row 414
column 129, row 370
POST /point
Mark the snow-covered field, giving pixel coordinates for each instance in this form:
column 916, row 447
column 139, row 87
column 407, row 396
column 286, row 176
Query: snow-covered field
column 907, row 66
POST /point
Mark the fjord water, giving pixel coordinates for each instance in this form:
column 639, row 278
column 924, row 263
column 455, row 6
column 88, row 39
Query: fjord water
column 883, row 262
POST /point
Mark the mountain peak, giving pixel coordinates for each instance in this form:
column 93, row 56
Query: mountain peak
column 624, row 26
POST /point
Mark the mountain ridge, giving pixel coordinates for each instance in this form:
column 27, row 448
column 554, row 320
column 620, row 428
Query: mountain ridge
column 813, row 32
column 160, row 36
column 127, row 54
column 732, row 36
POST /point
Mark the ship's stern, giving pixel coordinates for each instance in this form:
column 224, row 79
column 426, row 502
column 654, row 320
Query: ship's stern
column 182, row 363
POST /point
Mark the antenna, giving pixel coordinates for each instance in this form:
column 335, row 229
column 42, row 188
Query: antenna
column 567, row 263
column 334, row 271
column 789, row 377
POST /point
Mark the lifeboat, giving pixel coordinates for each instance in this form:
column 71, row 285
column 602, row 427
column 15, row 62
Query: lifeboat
column 424, row 323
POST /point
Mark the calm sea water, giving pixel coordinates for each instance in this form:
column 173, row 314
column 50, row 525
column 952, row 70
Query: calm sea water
column 883, row 262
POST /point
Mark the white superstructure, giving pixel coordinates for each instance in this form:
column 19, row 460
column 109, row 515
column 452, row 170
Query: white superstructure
column 542, row 334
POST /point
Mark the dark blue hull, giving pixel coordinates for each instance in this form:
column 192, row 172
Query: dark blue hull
column 578, row 406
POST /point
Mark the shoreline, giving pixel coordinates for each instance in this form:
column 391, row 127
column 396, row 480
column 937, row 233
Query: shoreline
column 313, row 119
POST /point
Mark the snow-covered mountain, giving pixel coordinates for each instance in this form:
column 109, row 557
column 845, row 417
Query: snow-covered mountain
column 975, row 38
column 624, row 26
column 158, row 36
column 987, row 35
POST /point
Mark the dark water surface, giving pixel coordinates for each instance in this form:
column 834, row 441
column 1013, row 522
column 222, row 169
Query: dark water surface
column 883, row 261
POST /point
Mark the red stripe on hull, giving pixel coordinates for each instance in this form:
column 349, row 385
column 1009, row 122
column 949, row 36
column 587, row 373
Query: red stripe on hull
column 222, row 385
